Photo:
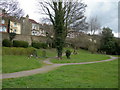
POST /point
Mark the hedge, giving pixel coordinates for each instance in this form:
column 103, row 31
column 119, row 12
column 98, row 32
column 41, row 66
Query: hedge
column 20, row 44
column 39, row 45
column 17, row 51
column 6, row 43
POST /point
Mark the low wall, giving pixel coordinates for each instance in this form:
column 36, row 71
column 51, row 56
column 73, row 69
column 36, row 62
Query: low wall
column 28, row 38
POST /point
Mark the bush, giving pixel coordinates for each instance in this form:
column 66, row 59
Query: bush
column 12, row 36
column 43, row 53
column 92, row 48
column 68, row 53
column 39, row 45
column 36, row 45
column 43, row 45
column 6, row 43
column 17, row 51
column 20, row 44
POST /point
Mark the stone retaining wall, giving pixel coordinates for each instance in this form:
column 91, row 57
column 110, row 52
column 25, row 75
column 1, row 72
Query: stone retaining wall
column 28, row 38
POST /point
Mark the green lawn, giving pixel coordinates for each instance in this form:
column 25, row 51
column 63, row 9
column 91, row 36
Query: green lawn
column 49, row 52
column 82, row 56
column 97, row 75
column 15, row 63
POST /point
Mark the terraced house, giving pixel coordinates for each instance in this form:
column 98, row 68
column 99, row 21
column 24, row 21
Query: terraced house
column 23, row 26
column 3, row 22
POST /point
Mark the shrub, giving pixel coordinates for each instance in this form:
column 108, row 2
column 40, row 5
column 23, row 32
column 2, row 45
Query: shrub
column 68, row 53
column 36, row 45
column 17, row 51
column 6, row 43
column 12, row 36
column 39, row 45
column 43, row 53
column 20, row 44
column 92, row 48
column 108, row 43
column 43, row 45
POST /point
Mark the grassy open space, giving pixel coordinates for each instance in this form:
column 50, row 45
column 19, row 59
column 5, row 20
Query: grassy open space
column 15, row 63
column 97, row 75
column 49, row 52
column 82, row 56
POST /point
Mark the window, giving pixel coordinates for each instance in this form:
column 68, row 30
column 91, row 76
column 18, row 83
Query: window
column 33, row 32
column 3, row 29
column 15, row 24
column 15, row 30
column 3, row 21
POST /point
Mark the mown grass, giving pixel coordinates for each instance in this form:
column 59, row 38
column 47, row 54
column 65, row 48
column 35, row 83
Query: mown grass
column 14, row 63
column 49, row 52
column 82, row 56
column 97, row 75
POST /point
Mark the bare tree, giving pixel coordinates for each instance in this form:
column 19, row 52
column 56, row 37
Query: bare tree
column 63, row 14
column 94, row 25
column 11, row 7
column 81, row 40
column 49, row 33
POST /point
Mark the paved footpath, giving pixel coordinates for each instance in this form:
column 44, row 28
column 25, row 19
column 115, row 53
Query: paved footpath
column 45, row 68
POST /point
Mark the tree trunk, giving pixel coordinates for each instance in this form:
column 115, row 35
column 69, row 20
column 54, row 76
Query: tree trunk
column 59, row 30
column 8, row 25
column 60, row 54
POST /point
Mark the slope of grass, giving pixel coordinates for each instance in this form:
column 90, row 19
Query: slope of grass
column 82, row 56
column 97, row 75
column 15, row 63
column 49, row 52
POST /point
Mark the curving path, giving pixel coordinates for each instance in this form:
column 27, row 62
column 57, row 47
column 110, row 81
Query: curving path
column 46, row 68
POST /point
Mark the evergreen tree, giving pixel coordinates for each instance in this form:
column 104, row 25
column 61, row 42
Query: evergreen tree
column 108, row 41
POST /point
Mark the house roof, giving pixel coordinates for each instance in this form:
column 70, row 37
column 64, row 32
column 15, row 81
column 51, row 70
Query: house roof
column 33, row 21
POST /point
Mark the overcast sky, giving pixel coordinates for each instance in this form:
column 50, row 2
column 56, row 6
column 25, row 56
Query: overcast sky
column 105, row 10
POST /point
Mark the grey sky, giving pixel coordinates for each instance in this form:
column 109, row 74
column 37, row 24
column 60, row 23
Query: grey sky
column 105, row 10
column 107, row 13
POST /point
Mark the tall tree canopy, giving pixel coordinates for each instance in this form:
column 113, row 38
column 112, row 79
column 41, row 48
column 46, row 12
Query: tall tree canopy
column 108, row 41
column 64, row 14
